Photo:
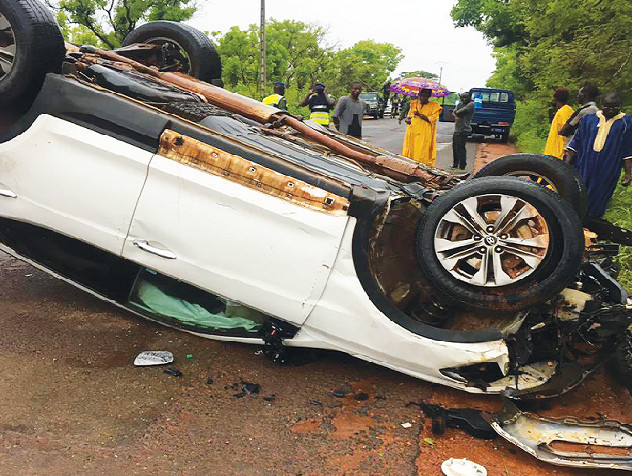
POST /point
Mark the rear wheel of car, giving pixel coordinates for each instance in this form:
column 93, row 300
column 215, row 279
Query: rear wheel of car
column 547, row 171
column 31, row 45
column 186, row 49
column 499, row 243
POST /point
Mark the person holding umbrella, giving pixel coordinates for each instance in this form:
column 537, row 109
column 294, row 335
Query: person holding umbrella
column 420, row 142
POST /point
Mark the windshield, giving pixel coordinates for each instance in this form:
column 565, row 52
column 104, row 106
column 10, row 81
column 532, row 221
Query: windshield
column 369, row 96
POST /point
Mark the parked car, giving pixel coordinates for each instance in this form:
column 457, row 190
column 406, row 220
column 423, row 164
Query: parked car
column 494, row 112
column 374, row 104
column 210, row 212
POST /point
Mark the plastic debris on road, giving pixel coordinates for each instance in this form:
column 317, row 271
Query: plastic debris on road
column 462, row 467
column 153, row 357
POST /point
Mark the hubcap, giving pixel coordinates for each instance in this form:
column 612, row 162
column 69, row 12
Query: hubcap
column 513, row 234
column 7, row 47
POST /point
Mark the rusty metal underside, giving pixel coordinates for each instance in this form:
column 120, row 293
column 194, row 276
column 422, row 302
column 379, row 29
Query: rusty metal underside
column 390, row 165
column 192, row 152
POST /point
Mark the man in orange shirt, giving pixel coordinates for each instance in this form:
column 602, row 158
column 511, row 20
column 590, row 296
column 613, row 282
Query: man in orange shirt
column 420, row 142
column 556, row 143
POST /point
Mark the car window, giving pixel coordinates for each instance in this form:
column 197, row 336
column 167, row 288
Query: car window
column 371, row 96
column 504, row 97
column 170, row 300
column 493, row 97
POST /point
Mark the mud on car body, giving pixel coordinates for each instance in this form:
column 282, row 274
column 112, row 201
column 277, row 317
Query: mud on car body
column 129, row 174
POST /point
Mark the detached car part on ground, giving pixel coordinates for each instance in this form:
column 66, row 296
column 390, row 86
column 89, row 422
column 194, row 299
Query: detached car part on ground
column 213, row 213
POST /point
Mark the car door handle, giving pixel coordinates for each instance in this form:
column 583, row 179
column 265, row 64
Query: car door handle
column 6, row 191
column 163, row 253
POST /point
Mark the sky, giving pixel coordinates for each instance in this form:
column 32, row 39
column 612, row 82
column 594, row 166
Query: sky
column 423, row 30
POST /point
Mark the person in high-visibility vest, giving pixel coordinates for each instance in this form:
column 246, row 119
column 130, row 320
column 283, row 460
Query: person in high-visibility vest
column 278, row 98
column 319, row 104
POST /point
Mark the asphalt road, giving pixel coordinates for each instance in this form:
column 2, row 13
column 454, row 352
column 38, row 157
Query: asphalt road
column 388, row 133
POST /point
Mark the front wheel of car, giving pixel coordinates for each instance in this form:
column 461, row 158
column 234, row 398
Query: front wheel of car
column 185, row 49
column 499, row 243
column 31, row 45
column 546, row 171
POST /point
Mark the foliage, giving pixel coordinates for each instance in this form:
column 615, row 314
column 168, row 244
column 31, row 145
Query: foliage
column 620, row 213
column 541, row 45
column 298, row 55
column 110, row 21
column 545, row 44
column 366, row 61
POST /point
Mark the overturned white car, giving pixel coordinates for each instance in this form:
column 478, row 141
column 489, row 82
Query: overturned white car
column 207, row 211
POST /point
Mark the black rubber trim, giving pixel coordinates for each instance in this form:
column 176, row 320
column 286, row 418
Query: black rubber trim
column 102, row 112
column 360, row 253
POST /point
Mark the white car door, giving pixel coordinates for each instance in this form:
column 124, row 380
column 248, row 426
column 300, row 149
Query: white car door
column 230, row 235
column 72, row 180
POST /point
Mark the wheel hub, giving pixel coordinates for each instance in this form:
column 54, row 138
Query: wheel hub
column 491, row 240
column 7, row 47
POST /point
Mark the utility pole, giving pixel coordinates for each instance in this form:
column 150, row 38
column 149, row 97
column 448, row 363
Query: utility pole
column 262, row 48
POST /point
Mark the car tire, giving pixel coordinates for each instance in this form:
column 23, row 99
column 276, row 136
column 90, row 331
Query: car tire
column 623, row 359
column 552, row 251
column 204, row 61
column 34, row 45
column 550, row 171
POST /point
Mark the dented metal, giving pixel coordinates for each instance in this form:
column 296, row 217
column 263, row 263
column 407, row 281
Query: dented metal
column 605, row 444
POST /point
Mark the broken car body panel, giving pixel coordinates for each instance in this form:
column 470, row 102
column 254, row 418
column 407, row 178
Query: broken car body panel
column 567, row 441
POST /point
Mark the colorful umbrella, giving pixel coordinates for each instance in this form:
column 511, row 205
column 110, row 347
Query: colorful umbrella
column 411, row 87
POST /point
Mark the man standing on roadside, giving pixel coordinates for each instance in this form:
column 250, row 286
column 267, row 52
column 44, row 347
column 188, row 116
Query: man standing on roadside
column 462, row 128
column 319, row 104
column 556, row 142
column 587, row 97
column 601, row 145
column 278, row 98
column 349, row 112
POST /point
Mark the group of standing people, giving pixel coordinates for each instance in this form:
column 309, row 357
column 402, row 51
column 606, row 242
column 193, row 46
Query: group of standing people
column 348, row 112
column 597, row 142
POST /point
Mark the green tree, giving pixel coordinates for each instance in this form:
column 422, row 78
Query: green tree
column 296, row 54
column 110, row 21
column 366, row 61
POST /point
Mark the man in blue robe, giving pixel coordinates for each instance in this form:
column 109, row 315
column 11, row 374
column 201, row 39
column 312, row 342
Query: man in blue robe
column 601, row 146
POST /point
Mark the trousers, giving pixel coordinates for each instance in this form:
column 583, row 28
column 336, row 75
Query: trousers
column 459, row 153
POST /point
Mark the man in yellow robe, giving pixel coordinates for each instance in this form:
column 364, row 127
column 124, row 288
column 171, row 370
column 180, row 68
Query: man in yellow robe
column 420, row 142
column 556, row 143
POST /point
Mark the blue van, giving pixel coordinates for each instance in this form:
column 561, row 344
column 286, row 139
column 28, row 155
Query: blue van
column 494, row 111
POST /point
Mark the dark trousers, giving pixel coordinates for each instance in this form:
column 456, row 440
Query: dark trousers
column 459, row 154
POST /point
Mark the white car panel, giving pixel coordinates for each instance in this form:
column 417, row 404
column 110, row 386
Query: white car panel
column 237, row 242
column 72, row 180
column 346, row 319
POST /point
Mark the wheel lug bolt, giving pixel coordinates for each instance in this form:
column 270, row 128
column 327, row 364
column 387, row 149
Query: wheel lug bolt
column 478, row 237
column 490, row 229
column 503, row 236
column 498, row 249
column 482, row 250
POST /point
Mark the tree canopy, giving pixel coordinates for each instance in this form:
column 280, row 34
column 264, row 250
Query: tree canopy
column 107, row 22
column 298, row 55
column 544, row 44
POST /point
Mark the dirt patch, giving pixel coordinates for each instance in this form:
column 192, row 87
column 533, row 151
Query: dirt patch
column 488, row 151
